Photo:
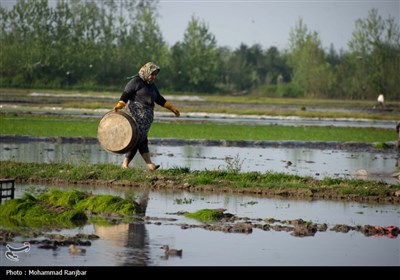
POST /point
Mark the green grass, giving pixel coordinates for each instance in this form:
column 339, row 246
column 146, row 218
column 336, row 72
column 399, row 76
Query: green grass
column 205, row 215
column 51, row 127
column 212, row 131
column 56, row 207
column 56, row 126
column 218, row 179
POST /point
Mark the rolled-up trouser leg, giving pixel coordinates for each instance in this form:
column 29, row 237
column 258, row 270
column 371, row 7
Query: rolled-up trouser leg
column 143, row 146
column 131, row 154
column 144, row 151
column 128, row 157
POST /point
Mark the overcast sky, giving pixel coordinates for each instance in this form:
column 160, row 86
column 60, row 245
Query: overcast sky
column 268, row 22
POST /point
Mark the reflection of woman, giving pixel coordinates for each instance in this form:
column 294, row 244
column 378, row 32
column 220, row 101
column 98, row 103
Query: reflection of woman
column 133, row 236
column 140, row 94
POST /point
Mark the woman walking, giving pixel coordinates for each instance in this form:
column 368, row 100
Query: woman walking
column 140, row 96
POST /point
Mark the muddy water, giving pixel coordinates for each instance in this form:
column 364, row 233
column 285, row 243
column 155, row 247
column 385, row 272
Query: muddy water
column 139, row 244
column 319, row 162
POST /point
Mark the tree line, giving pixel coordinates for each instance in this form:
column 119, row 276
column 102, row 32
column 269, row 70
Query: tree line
column 96, row 45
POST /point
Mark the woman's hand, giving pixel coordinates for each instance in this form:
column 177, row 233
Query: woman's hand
column 120, row 105
column 172, row 108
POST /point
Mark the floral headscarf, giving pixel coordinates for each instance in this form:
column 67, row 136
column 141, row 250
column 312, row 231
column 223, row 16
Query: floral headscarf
column 146, row 70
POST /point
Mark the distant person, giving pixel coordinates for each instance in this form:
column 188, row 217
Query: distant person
column 380, row 101
column 140, row 95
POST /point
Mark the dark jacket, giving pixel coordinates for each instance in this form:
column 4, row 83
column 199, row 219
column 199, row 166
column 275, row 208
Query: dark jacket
column 140, row 91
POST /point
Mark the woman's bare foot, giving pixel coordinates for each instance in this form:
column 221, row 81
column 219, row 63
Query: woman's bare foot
column 152, row 167
column 125, row 163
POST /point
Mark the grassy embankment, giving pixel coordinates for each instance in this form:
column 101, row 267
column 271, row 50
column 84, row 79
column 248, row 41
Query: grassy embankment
column 216, row 180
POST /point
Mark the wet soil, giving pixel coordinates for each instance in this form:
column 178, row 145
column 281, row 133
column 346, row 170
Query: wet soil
column 169, row 183
column 226, row 223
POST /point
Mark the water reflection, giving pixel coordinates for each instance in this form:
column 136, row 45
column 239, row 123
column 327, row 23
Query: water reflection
column 138, row 244
column 318, row 163
column 133, row 237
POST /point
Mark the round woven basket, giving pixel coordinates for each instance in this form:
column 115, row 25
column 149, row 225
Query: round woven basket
column 117, row 132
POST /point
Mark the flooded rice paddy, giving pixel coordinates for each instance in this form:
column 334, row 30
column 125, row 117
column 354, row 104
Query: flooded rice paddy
column 139, row 243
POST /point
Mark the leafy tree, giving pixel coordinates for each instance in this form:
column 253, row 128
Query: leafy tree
column 311, row 74
column 75, row 42
column 150, row 43
column 276, row 67
column 375, row 47
column 247, row 66
column 177, row 72
column 24, row 41
column 240, row 72
column 225, row 83
column 199, row 60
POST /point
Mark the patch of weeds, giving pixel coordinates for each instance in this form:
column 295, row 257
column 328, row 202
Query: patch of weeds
column 346, row 191
column 234, row 164
column 176, row 171
column 183, row 200
column 101, row 221
column 201, row 179
column 248, row 203
column 36, row 191
column 381, row 145
column 205, row 215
